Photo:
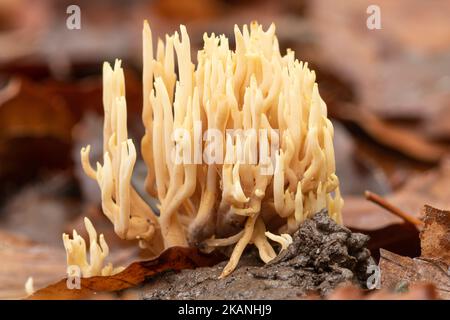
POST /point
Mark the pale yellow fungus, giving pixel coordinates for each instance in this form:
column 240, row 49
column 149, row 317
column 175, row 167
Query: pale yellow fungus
column 224, row 191
column 76, row 253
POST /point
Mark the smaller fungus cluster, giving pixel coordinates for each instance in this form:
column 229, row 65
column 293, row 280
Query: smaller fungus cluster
column 98, row 251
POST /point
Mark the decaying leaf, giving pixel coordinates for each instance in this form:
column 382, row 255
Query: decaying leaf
column 398, row 271
column 174, row 259
column 433, row 264
column 435, row 236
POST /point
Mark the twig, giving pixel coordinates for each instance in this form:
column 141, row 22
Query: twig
column 393, row 209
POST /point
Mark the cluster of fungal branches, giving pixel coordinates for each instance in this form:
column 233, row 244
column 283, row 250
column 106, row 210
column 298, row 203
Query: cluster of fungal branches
column 244, row 199
column 98, row 251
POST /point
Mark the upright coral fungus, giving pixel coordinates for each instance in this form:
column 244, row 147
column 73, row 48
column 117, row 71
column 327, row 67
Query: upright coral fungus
column 216, row 184
column 98, row 251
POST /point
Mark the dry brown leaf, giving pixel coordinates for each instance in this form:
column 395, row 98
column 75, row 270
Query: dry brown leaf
column 175, row 258
column 432, row 266
column 398, row 271
column 435, row 236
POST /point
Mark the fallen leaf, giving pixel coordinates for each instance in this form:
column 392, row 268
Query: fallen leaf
column 398, row 271
column 435, row 235
column 432, row 265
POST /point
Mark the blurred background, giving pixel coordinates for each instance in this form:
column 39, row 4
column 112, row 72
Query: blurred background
column 387, row 91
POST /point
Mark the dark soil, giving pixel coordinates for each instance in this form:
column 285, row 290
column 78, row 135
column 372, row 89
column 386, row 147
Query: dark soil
column 322, row 256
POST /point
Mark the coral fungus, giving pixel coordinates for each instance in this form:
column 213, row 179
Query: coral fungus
column 239, row 190
column 98, row 251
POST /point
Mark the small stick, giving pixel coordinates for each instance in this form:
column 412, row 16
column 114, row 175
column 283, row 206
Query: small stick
column 393, row 209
